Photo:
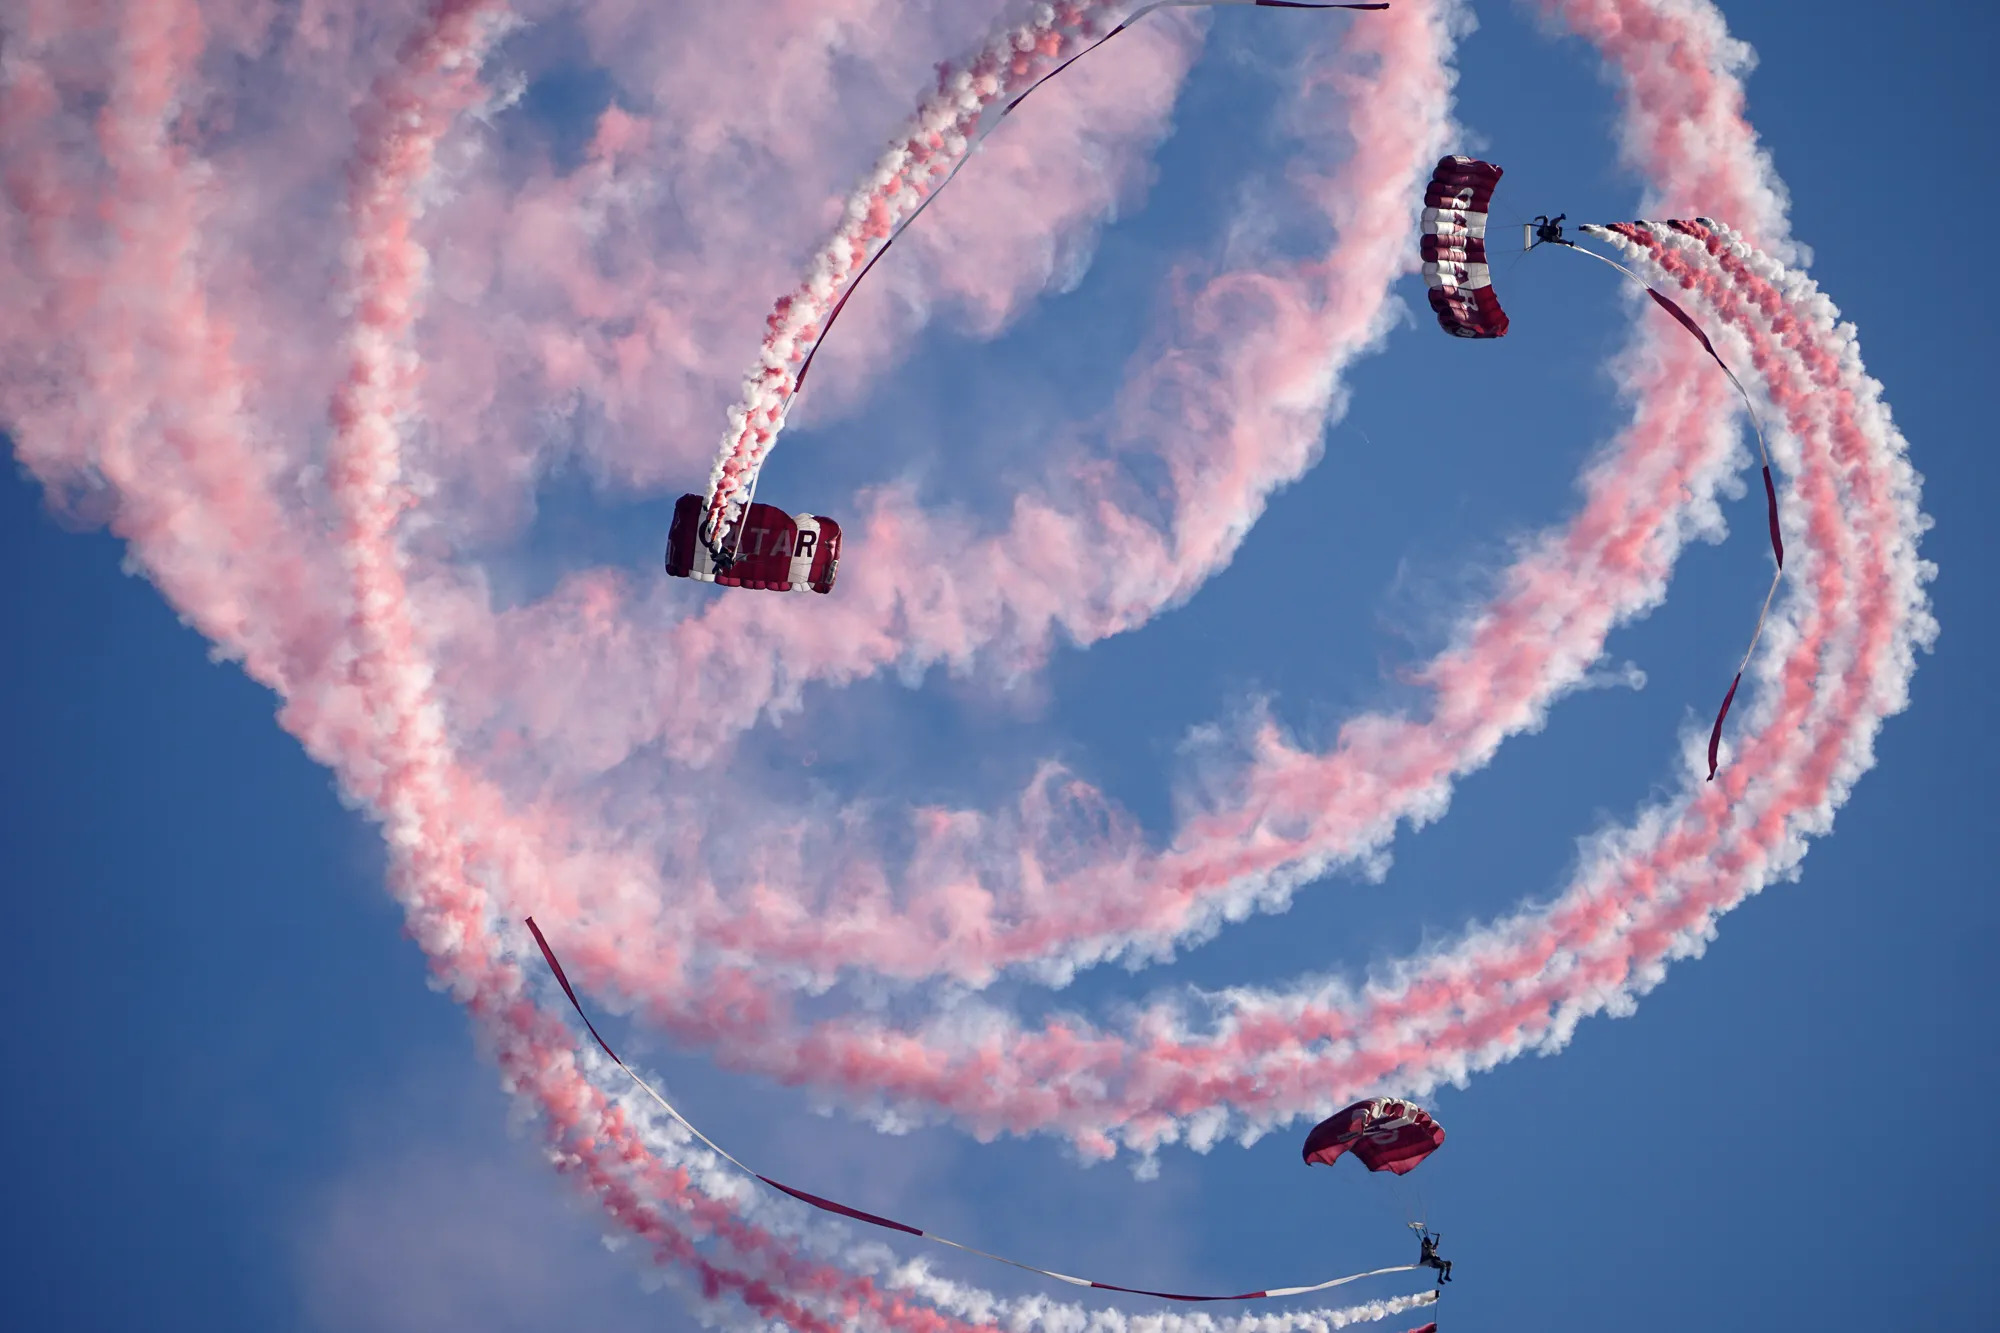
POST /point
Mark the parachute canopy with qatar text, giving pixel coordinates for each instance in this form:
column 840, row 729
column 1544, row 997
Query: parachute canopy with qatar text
column 1454, row 248
column 770, row 549
column 1386, row 1134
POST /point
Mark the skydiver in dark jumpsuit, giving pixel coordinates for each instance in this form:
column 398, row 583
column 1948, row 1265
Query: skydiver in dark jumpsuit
column 1549, row 231
column 1430, row 1258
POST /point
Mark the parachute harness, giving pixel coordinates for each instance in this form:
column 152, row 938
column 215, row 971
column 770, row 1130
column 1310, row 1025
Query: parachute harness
column 1548, row 230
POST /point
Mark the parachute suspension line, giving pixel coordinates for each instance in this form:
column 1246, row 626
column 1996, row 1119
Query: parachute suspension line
column 1396, row 1199
column 712, row 538
column 872, row 1219
column 1388, row 1203
column 1770, row 496
column 1410, row 1202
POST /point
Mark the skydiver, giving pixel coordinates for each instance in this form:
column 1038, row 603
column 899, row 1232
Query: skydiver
column 1430, row 1257
column 1549, row 230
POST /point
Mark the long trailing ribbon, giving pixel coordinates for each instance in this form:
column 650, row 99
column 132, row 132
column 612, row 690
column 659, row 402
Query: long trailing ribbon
column 875, row 1219
column 1763, row 452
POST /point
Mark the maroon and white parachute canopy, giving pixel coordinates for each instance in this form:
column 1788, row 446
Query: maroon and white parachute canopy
column 775, row 551
column 1386, row 1134
column 1454, row 248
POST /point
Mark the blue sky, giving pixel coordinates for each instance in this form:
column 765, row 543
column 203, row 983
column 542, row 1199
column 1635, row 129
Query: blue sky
column 233, row 1104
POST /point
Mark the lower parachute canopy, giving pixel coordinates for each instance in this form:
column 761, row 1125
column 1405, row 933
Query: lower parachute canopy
column 1386, row 1134
column 773, row 550
column 1454, row 248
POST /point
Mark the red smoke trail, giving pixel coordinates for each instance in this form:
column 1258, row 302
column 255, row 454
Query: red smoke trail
column 162, row 437
column 1684, row 127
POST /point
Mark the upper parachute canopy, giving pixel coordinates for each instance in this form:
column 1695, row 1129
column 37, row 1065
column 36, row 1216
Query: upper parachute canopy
column 1454, row 248
column 1386, row 1134
column 777, row 552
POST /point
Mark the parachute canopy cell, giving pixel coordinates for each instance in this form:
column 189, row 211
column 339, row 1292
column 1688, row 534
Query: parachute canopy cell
column 779, row 552
column 1386, row 1134
column 1454, row 248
